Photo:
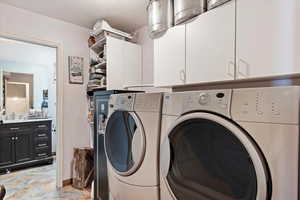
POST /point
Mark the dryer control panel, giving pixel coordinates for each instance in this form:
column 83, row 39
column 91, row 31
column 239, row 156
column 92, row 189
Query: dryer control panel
column 122, row 102
column 267, row 105
column 148, row 102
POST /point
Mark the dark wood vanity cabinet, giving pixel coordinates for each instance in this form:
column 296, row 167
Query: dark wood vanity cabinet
column 25, row 144
column 7, row 149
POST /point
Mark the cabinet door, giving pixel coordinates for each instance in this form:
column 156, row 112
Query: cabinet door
column 7, row 148
column 115, row 63
column 24, row 145
column 132, row 64
column 267, row 38
column 211, row 45
column 169, row 58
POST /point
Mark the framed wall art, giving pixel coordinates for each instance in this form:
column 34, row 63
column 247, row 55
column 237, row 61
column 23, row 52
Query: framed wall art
column 76, row 70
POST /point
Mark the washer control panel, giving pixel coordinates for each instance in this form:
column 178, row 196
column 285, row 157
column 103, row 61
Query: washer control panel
column 212, row 100
column 217, row 101
column 267, row 105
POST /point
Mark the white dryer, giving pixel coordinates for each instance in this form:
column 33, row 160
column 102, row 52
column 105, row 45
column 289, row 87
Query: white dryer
column 240, row 144
column 132, row 146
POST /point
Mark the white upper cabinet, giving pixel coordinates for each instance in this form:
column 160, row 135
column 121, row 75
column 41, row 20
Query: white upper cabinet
column 268, row 42
column 132, row 66
column 114, row 57
column 124, row 64
column 169, row 58
column 210, row 46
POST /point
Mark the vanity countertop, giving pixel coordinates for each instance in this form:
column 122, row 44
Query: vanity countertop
column 25, row 120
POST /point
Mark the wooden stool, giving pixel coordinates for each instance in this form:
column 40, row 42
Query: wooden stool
column 83, row 167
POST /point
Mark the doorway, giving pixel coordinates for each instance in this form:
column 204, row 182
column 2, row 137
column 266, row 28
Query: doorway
column 25, row 57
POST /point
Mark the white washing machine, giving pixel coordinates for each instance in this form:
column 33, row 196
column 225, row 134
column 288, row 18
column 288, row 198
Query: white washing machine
column 240, row 144
column 132, row 140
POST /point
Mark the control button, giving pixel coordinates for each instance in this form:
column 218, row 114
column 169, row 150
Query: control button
column 260, row 112
column 123, row 101
column 220, row 95
column 203, row 98
column 224, row 106
column 245, row 112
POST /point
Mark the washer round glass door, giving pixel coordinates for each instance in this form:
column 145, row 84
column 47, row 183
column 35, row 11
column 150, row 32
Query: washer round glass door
column 125, row 142
column 210, row 158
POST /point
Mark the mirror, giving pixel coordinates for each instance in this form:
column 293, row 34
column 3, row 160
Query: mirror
column 16, row 92
column 17, row 97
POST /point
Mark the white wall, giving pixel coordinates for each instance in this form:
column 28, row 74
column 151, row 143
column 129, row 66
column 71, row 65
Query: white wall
column 143, row 39
column 74, row 42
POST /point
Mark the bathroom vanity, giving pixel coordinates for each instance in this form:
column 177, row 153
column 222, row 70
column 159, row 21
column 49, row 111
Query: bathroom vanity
column 25, row 143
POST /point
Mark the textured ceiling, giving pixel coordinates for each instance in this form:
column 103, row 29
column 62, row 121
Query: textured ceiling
column 126, row 15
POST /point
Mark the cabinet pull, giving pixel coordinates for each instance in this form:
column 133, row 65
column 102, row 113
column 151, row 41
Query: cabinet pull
column 42, row 154
column 243, row 68
column 182, row 75
column 42, row 135
column 231, row 69
column 13, row 138
column 42, row 126
column 101, row 132
column 14, row 129
column 42, row 145
column 16, row 138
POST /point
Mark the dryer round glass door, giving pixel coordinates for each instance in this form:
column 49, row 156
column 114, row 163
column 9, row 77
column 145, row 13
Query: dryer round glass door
column 211, row 158
column 125, row 142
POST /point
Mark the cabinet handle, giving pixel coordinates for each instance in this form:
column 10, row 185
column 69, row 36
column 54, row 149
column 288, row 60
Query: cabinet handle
column 182, row 75
column 42, row 145
column 14, row 129
column 42, row 126
column 231, row 69
column 101, row 132
column 101, row 124
column 42, row 135
column 243, row 68
column 42, row 154
column 16, row 138
column 13, row 138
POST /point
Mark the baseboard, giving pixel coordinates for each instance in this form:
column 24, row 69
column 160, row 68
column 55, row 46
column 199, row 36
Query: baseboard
column 33, row 163
column 67, row 182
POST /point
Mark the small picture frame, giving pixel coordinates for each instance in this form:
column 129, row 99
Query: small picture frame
column 76, row 70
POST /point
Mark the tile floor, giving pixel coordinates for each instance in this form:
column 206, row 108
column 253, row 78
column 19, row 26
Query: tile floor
column 38, row 184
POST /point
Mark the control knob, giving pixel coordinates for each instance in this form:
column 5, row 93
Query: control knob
column 203, row 98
